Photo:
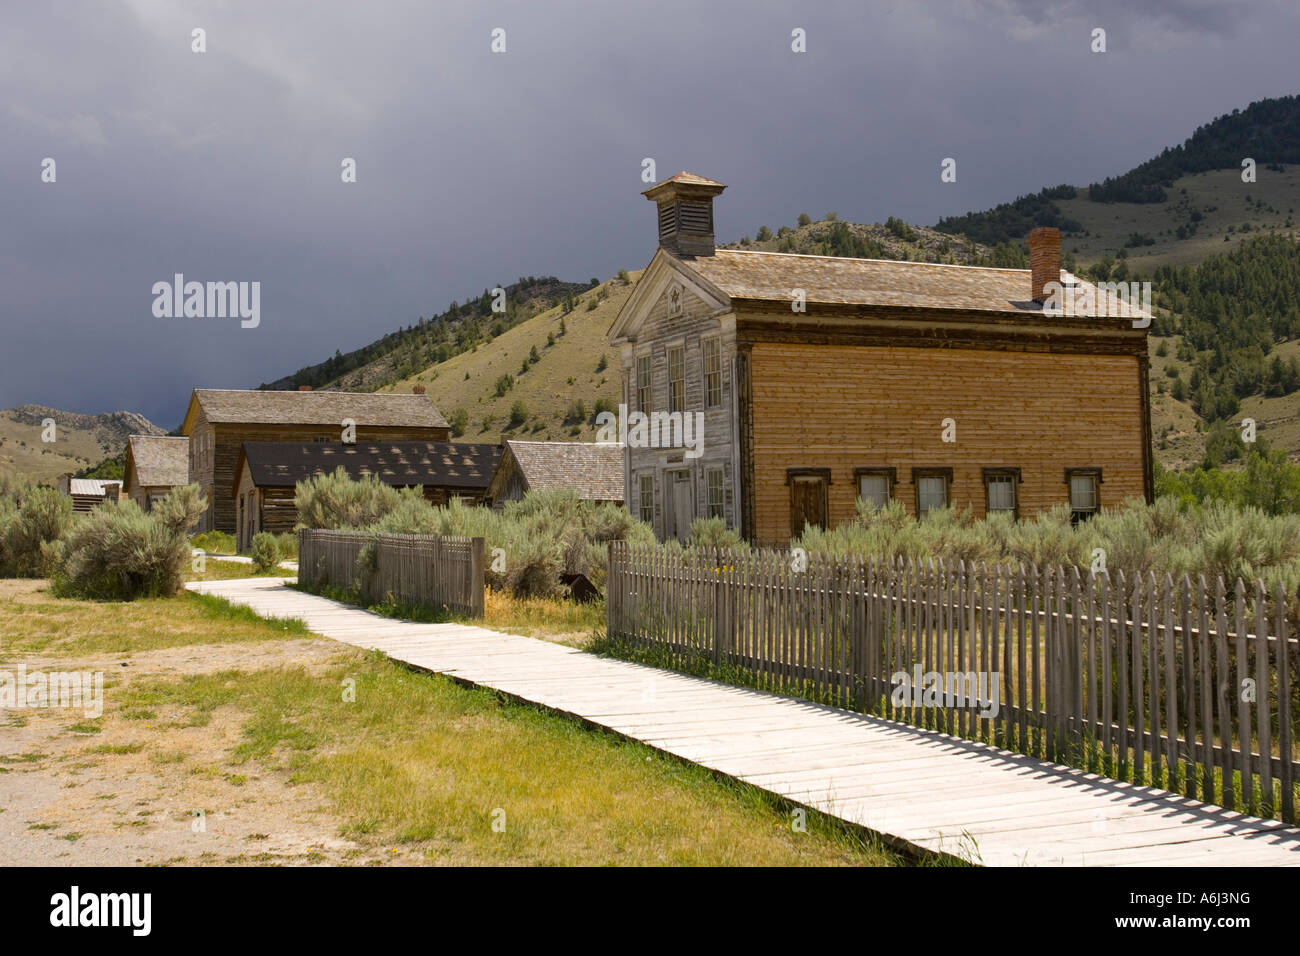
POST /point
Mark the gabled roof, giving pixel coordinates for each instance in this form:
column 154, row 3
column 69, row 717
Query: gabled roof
column 593, row 469
column 90, row 486
column 443, row 464
column 768, row 279
column 159, row 459
column 257, row 407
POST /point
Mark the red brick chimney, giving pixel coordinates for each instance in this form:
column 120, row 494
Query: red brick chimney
column 1044, row 260
column 417, row 390
column 304, row 388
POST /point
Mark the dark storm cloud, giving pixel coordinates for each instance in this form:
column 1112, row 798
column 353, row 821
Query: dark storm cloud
column 475, row 168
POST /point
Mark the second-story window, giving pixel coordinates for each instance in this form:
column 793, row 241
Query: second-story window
column 677, row 379
column 712, row 373
column 643, row 392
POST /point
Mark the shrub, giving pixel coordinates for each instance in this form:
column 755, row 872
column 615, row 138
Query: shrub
column 286, row 545
column 264, row 552
column 215, row 542
column 336, row 501
column 713, row 533
column 459, row 421
column 28, row 529
column 117, row 552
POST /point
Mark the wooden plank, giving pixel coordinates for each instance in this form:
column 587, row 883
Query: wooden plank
column 1284, row 706
column 921, row 787
column 1264, row 720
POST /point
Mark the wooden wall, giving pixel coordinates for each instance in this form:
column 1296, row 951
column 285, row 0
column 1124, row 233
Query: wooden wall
column 658, row 332
column 845, row 407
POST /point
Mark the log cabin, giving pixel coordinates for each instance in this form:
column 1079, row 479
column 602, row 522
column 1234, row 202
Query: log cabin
column 155, row 464
column 594, row 470
column 270, row 471
column 820, row 380
column 219, row 421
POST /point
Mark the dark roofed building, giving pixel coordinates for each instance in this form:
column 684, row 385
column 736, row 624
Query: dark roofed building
column 155, row 464
column 270, row 471
column 219, row 421
column 594, row 470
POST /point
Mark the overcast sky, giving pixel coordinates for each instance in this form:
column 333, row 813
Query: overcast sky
column 474, row 167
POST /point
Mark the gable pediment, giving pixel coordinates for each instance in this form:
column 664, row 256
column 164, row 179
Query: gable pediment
column 665, row 277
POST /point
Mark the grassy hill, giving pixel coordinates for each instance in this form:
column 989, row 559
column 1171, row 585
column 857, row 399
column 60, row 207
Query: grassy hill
column 81, row 440
column 399, row 354
column 558, row 394
column 894, row 239
column 1177, row 208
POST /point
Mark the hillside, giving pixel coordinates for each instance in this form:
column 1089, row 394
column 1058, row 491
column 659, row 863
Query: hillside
column 894, row 239
column 575, row 372
column 81, row 440
column 402, row 352
column 1174, row 209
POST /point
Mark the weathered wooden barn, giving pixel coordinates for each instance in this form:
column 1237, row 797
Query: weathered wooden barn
column 155, row 464
column 270, row 471
column 817, row 380
column 592, row 469
column 89, row 493
column 219, row 421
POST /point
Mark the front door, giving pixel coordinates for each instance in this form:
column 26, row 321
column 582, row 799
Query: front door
column 683, row 505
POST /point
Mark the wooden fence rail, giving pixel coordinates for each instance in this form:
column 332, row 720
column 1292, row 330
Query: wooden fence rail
column 423, row 570
column 1189, row 685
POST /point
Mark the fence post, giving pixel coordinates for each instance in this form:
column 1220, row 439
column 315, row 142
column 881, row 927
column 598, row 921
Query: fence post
column 477, row 553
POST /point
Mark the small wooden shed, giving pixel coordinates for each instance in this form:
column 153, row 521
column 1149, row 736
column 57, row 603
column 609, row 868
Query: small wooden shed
column 155, row 464
column 268, row 474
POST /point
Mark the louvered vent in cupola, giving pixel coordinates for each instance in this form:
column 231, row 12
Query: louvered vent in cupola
column 686, row 213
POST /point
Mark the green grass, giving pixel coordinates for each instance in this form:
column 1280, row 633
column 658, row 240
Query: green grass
column 420, row 759
column 559, row 620
column 217, row 570
column 36, row 622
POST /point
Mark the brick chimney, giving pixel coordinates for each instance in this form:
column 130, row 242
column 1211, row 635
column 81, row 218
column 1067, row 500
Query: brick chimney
column 417, row 390
column 685, row 213
column 1044, row 260
column 304, row 388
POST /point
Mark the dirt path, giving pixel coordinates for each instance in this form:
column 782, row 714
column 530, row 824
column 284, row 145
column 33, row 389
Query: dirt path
column 128, row 794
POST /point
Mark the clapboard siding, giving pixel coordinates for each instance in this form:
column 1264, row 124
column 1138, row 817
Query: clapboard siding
column 690, row 329
column 844, row 407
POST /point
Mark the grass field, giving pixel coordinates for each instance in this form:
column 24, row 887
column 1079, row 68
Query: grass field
column 405, row 765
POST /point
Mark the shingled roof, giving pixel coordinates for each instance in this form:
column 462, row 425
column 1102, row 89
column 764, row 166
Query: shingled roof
column 254, row 406
column 159, row 459
column 593, row 469
column 443, row 464
column 834, row 280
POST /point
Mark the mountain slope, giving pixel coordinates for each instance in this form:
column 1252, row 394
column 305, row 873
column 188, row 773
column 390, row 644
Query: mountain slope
column 400, row 353
column 558, row 394
column 80, row 440
column 1172, row 209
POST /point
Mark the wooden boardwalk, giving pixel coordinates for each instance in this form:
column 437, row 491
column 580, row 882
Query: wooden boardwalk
column 923, row 788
